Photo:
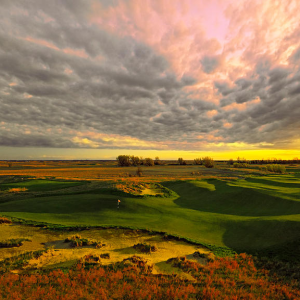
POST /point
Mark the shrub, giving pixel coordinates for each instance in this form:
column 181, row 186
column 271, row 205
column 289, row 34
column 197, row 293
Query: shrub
column 91, row 259
column 157, row 161
column 146, row 248
column 135, row 160
column 240, row 165
column 13, row 243
column 276, row 168
column 181, row 161
column 208, row 162
column 198, row 161
column 4, row 220
column 230, row 162
column 78, row 241
column 124, row 160
column 148, row 162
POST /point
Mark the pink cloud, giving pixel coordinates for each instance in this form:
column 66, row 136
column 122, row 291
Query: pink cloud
column 227, row 125
column 76, row 52
column 212, row 113
column 241, row 106
column 69, row 51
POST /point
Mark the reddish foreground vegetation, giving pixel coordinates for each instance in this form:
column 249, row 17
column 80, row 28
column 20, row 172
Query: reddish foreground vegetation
column 224, row 278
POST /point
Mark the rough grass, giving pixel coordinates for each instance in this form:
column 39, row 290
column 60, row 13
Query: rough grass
column 10, row 243
column 37, row 185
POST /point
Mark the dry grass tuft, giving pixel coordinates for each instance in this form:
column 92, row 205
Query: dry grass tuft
column 17, row 190
column 4, row 220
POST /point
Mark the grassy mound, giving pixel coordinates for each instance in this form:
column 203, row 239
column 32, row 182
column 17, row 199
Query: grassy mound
column 78, row 241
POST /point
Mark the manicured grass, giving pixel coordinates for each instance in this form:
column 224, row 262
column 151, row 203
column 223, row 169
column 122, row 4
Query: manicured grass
column 246, row 215
column 40, row 185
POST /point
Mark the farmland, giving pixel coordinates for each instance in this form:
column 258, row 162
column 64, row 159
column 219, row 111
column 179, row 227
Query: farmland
column 216, row 212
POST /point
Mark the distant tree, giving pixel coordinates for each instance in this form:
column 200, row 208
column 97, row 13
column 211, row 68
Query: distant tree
column 157, row 161
column 135, row 160
column 198, row 161
column 208, row 162
column 124, row 160
column 141, row 160
column 230, row 162
column 148, row 162
column 181, row 161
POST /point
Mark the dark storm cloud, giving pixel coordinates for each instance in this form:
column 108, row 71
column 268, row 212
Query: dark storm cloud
column 57, row 72
column 275, row 117
column 209, row 63
column 295, row 57
column 64, row 80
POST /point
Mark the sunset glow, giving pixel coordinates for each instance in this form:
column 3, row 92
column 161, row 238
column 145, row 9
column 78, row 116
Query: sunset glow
column 94, row 79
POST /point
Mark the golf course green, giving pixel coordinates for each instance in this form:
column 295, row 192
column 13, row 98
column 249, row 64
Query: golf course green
column 248, row 214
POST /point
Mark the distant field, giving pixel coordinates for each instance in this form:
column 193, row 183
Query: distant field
column 108, row 170
column 245, row 213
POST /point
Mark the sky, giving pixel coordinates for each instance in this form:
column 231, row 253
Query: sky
column 92, row 79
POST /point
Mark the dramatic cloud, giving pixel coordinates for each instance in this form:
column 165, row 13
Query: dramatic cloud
column 168, row 75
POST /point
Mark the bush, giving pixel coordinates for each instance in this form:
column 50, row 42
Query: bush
column 240, row 165
column 230, row 162
column 198, row 161
column 13, row 243
column 148, row 162
column 274, row 168
column 4, row 220
column 157, row 161
column 78, row 241
column 146, row 248
column 124, row 160
column 208, row 162
column 181, row 161
column 105, row 255
column 135, row 160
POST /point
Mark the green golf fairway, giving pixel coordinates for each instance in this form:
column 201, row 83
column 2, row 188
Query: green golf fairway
column 245, row 215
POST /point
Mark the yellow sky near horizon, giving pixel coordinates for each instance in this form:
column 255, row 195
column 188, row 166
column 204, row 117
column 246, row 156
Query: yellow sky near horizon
column 12, row 153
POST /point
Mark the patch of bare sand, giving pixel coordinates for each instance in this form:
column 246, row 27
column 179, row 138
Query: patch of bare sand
column 118, row 243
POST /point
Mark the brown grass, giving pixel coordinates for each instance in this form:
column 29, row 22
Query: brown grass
column 108, row 170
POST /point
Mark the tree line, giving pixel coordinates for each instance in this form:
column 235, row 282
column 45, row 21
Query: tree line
column 131, row 160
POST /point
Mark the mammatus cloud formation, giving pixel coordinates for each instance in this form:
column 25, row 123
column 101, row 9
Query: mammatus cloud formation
column 169, row 75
